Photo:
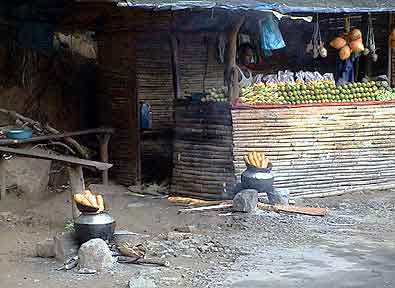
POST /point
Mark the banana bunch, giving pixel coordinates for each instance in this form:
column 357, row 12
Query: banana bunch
column 256, row 159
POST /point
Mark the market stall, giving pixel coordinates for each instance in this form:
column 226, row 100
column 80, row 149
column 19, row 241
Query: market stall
column 324, row 136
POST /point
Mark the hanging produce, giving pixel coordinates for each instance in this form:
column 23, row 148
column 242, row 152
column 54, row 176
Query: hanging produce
column 316, row 45
column 370, row 41
column 338, row 42
column 355, row 34
column 349, row 42
column 345, row 53
column 357, row 46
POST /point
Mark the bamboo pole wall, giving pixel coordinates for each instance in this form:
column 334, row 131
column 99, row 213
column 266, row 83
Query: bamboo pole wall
column 320, row 149
column 202, row 157
column 118, row 101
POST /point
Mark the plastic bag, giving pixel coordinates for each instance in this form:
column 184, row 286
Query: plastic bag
column 300, row 77
column 329, row 76
column 270, row 79
column 258, row 78
column 318, row 76
column 271, row 38
column 286, row 76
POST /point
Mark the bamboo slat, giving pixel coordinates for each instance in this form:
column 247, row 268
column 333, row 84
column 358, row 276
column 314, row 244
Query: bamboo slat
column 320, row 149
column 203, row 158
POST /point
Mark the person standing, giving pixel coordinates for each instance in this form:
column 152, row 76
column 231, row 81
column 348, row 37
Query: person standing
column 246, row 54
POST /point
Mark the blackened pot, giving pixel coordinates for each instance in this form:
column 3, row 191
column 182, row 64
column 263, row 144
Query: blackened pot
column 260, row 179
column 91, row 225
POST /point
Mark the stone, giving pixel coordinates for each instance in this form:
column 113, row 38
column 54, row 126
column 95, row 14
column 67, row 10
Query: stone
column 245, row 201
column 6, row 215
column 141, row 282
column 177, row 236
column 46, row 248
column 278, row 196
column 86, row 271
column 95, row 255
column 66, row 246
column 187, row 229
column 30, row 176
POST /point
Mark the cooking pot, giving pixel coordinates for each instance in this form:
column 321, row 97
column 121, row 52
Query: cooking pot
column 260, row 179
column 94, row 225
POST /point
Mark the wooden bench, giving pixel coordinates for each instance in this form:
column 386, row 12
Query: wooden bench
column 103, row 135
column 74, row 168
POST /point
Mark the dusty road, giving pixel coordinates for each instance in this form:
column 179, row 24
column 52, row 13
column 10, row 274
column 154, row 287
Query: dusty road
column 354, row 246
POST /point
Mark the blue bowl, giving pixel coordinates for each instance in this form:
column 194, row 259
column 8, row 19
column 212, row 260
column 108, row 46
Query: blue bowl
column 19, row 133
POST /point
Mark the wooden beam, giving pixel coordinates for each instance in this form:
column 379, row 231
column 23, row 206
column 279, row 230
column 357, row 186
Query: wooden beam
column 175, row 67
column 390, row 26
column 231, row 71
column 3, row 187
column 65, row 159
column 56, row 136
column 103, row 142
column 77, row 186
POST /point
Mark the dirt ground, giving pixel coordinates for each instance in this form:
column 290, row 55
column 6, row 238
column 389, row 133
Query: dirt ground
column 351, row 247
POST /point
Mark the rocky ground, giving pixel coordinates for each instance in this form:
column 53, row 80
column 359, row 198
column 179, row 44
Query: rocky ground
column 353, row 246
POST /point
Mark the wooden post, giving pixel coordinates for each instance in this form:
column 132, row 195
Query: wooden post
column 175, row 66
column 103, row 143
column 231, row 71
column 77, row 185
column 3, row 188
column 390, row 26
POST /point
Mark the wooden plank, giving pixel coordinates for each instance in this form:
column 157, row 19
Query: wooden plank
column 77, row 186
column 65, row 159
column 231, row 72
column 311, row 211
column 3, row 185
column 57, row 136
column 175, row 66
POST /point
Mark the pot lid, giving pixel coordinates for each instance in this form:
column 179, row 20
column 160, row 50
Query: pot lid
column 94, row 219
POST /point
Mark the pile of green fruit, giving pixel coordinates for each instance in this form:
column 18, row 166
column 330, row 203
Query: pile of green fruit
column 260, row 93
column 215, row 95
column 316, row 92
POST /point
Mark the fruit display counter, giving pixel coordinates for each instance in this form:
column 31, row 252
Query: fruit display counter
column 322, row 139
column 320, row 149
column 317, row 92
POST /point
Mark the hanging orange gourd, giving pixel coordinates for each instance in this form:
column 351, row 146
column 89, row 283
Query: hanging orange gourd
column 357, row 46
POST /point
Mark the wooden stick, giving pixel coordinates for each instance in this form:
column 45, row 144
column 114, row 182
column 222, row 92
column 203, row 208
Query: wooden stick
column 3, row 187
column 103, row 143
column 311, row 211
column 137, row 260
column 223, row 205
column 83, row 151
column 192, row 201
column 77, row 186
column 175, row 66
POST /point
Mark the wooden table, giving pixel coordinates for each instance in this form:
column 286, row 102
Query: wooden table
column 103, row 135
column 74, row 167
